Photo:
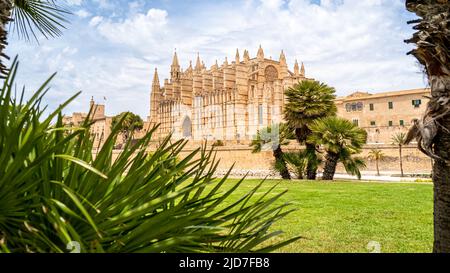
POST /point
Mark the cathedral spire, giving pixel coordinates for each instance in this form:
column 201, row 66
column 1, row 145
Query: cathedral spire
column 225, row 63
column 237, row 56
column 175, row 60
column 156, row 78
column 198, row 64
column 175, row 68
column 282, row 58
column 302, row 70
column 260, row 54
column 296, row 73
column 246, row 56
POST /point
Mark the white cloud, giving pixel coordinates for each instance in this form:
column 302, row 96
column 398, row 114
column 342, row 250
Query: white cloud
column 74, row 2
column 140, row 31
column 96, row 20
column 351, row 45
column 82, row 13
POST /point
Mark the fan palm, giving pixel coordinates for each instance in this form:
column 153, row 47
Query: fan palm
column 341, row 139
column 29, row 17
column 308, row 101
column 433, row 130
column 399, row 139
column 272, row 138
column 297, row 162
column 377, row 155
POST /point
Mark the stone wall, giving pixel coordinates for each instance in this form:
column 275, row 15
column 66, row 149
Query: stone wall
column 260, row 164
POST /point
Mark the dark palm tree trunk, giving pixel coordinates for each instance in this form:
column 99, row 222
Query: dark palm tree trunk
column 433, row 53
column 281, row 163
column 330, row 166
column 5, row 17
column 401, row 160
column 311, row 166
column 441, row 179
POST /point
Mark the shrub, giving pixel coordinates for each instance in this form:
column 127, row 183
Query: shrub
column 297, row 161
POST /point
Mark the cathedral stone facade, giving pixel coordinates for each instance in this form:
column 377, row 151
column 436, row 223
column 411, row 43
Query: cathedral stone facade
column 227, row 102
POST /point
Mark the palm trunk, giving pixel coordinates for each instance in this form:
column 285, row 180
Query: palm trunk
column 330, row 166
column 401, row 160
column 281, row 163
column 433, row 131
column 441, row 179
column 311, row 167
column 5, row 17
column 378, row 169
column 441, row 176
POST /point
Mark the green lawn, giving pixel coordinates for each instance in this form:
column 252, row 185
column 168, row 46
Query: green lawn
column 346, row 216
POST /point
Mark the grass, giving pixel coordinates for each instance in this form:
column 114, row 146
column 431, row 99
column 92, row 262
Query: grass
column 345, row 216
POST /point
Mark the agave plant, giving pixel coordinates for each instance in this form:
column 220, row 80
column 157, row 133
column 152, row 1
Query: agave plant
column 55, row 193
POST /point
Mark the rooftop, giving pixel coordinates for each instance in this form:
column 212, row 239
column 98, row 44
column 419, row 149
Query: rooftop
column 366, row 95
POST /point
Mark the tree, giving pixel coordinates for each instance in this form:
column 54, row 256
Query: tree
column 273, row 137
column 297, row 162
column 308, row 101
column 433, row 130
column 341, row 139
column 29, row 16
column 131, row 123
column 399, row 140
column 377, row 155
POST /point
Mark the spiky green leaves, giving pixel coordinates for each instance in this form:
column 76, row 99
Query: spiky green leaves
column 342, row 138
column 308, row 101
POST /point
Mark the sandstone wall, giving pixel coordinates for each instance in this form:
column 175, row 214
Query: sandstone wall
column 260, row 164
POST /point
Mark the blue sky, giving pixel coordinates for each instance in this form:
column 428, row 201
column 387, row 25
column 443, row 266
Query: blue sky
column 111, row 47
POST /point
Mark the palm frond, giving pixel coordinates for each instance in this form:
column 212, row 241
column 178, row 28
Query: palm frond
column 44, row 16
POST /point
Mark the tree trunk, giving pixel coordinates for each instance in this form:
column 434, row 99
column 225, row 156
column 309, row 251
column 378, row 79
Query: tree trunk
column 311, row 167
column 330, row 166
column 5, row 17
column 441, row 179
column 401, row 160
column 281, row 163
column 378, row 169
column 433, row 130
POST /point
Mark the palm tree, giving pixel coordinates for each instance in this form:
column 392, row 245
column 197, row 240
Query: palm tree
column 433, row 130
column 29, row 16
column 377, row 155
column 308, row 101
column 399, row 140
column 131, row 123
column 341, row 139
column 297, row 162
column 273, row 137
